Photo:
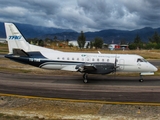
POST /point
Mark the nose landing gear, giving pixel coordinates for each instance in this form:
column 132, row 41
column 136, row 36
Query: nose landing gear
column 85, row 78
column 141, row 79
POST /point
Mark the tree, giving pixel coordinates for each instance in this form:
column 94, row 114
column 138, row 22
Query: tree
column 91, row 44
column 138, row 42
column 41, row 43
column 154, row 41
column 155, row 38
column 55, row 38
column 81, row 40
column 88, row 44
column 151, row 45
column 132, row 46
column 98, row 42
column 35, row 41
column 47, row 42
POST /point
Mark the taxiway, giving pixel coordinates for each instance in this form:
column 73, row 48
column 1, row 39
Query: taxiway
column 105, row 88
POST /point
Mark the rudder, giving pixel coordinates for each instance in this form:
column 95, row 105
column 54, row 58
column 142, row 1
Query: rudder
column 15, row 39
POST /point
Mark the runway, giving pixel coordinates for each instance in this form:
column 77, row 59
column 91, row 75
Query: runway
column 105, row 88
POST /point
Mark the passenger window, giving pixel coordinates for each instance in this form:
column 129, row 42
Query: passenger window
column 93, row 59
column 102, row 60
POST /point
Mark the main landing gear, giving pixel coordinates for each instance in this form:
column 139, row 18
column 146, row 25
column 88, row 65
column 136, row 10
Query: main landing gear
column 141, row 79
column 85, row 78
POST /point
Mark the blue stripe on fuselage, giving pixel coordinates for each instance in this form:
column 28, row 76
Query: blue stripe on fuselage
column 38, row 60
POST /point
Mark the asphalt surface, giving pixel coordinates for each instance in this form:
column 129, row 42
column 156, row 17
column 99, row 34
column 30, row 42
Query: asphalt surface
column 100, row 87
column 155, row 62
column 108, row 88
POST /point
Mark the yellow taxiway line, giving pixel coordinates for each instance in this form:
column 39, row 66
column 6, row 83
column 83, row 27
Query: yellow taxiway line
column 83, row 101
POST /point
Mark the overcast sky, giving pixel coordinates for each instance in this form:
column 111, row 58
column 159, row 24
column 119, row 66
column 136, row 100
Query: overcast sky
column 83, row 15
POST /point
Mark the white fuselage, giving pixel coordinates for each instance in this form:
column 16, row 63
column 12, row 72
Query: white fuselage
column 20, row 50
column 125, row 62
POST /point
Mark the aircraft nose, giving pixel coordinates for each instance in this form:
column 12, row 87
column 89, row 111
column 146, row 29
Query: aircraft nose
column 154, row 69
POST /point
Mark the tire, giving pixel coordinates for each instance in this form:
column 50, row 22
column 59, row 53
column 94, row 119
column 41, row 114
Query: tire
column 140, row 80
column 85, row 81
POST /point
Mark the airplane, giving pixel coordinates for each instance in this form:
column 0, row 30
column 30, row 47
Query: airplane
column 87, row 63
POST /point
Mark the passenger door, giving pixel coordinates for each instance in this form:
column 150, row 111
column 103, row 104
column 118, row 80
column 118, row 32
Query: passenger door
column 121, row 64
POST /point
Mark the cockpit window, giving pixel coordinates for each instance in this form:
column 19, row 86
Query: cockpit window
column 145, row 60
column 141, row 60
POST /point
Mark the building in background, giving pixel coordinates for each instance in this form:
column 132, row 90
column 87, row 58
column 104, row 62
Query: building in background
column 118, row 47
column 75, row 43
column 3, row 40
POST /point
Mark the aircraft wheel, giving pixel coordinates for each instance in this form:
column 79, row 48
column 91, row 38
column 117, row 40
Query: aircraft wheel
column 85, row 81
column 140, row 80
column 85, row 78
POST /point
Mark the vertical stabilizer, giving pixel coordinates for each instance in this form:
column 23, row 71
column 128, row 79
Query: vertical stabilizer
column 15, row 38
column 16, row 41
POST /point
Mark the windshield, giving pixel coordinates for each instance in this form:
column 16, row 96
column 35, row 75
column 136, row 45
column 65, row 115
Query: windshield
column 141, row 60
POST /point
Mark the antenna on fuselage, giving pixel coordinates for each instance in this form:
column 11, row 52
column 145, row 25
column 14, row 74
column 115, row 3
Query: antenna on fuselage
column 99, row 52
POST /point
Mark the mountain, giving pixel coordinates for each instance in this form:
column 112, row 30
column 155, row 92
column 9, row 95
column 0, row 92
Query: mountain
column 31, row 31
column 2, row 31
column 110, row 35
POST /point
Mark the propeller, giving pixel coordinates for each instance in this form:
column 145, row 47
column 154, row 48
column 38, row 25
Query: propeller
column 115, row 65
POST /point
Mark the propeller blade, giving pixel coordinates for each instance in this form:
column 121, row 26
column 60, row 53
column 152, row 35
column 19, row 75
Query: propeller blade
column 115, row 66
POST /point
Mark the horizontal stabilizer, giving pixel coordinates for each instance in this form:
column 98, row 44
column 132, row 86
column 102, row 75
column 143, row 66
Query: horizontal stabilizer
column 20, row 52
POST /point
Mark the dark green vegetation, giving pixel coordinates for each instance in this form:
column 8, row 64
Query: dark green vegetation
column 81, row 40
column 153, row 42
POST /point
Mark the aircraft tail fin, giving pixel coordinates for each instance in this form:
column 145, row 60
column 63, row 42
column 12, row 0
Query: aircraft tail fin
column 15, row 39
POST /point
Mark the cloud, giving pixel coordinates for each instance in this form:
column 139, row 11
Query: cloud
column 83, row 15
column 108, row 14
column 146, row 10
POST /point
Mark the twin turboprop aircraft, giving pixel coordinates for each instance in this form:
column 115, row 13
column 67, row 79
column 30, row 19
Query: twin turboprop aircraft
column 87, row 63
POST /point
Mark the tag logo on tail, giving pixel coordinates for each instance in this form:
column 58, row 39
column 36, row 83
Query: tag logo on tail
column 14, row 37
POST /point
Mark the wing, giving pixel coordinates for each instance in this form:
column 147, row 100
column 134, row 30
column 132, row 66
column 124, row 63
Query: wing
column 96, row 68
